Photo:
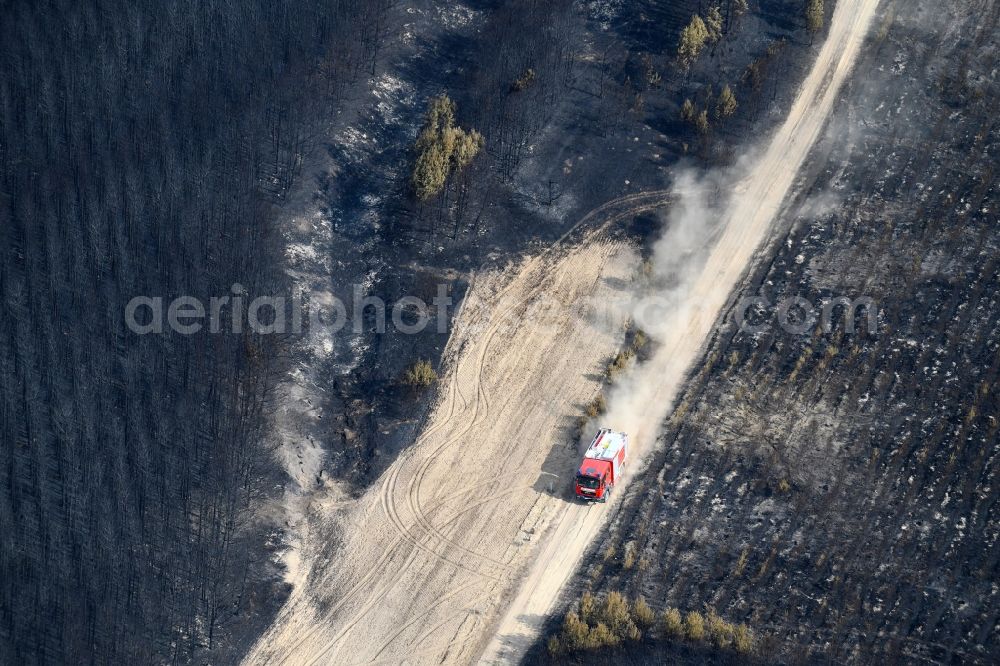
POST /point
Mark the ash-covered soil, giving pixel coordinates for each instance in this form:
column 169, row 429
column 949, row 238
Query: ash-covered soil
column 162, row 152
column 837, row 491
column 592, row 127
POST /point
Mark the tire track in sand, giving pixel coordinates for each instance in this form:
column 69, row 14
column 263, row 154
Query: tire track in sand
column 432, row 541
column 755, row 203
column 649, row 201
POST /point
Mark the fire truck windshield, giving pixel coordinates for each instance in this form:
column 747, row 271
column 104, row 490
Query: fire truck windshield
column 588, row 481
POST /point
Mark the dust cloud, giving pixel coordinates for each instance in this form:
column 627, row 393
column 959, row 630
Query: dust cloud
column 663, row 298
column 716, row 225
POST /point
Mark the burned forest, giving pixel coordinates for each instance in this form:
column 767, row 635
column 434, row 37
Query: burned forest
column 833, row 489
column 536, row 331
column 143, row 149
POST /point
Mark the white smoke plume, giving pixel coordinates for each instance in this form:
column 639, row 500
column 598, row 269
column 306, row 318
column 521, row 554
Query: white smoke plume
column 664, row 300
column 716, row 225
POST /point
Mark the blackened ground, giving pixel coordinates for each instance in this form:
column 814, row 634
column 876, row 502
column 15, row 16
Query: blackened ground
column 838, row 491
column 141, row 149
column 590, row 128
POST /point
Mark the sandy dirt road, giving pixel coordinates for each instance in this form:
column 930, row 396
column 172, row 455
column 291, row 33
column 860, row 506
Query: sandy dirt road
column 420, row 568
column 754, row 205
column 460, row 550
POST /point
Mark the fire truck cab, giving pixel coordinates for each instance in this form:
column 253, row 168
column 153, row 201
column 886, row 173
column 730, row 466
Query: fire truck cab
column 602, row 465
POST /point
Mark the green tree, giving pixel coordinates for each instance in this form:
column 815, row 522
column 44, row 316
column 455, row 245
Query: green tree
column 615, row 614
column 420, row 374
column 726, row 105
column 719, row 630
column 600, row 636
column 742, row 639
column 673, row 625
column 740, row 7
column 815, row 16
column 687, row 111
column 693, row 39
column 701, row 123
column 467, row 145
column 642, row 614
column 588, row 607
column 713, row 23
column 694, row 626
column 441, row 149
column 430, row 171
column 653, row 78
column 524, row 81
column 440, row 116
column 575, row 633
column 596, row 407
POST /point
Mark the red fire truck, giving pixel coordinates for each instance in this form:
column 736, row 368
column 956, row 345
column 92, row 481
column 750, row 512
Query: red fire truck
column 602, row 465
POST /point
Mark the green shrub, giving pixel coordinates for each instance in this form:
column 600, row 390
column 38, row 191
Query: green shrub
column 610, row 620
column 588, row 607
column 601, row 636
column 629, row 560
column 575, row 632
column 720, row 631
column 742, row 639
column 673, row 625
column 694, row 626
column 619, row 363
column 524, row 80
column 642, row 614
column 596, row 407
column 420, row 375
